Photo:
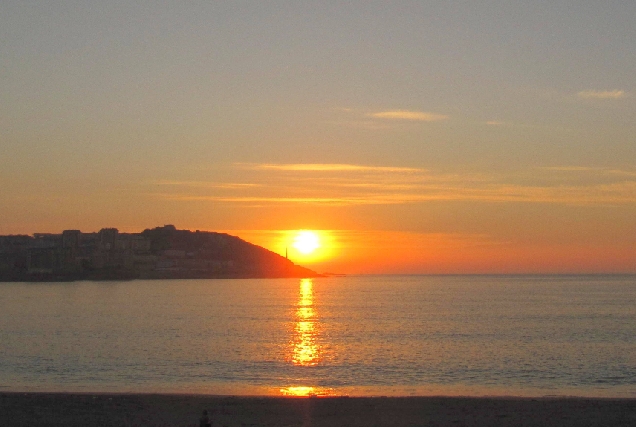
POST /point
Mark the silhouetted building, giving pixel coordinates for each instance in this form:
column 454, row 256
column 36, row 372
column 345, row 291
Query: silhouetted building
column 71, row 239
column 107, row 238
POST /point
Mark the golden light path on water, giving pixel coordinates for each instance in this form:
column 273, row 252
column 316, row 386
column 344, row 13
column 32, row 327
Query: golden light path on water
column 305, row 351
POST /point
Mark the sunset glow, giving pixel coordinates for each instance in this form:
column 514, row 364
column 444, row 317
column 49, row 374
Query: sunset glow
column 306, row 241
column 305, row 391
column 413, row 199
column 331, row 141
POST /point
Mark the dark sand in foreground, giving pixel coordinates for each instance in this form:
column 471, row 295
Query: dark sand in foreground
column 61, row 409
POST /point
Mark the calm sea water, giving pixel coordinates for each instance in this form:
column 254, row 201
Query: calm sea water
column 378, row 335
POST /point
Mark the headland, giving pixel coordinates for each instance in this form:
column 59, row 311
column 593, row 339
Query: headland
column 158, row 253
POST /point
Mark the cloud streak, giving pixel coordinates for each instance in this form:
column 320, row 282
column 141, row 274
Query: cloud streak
column 419, row 116
column 324, row 167
column 611, row 194
column 599, row 94
column 355, row 185
column 592, row 170
column 205, row 184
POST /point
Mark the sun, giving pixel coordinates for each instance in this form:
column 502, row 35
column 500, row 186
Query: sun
column 306, row 242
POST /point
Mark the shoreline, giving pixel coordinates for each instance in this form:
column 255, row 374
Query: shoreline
column 141, row 409
column 284, row 394
column 241, row 390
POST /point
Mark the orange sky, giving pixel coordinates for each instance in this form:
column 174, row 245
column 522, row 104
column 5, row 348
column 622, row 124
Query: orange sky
column 380, row 219
column 419, row 137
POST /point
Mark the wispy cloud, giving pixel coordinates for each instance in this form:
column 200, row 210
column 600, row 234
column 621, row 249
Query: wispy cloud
column 324, row 167
column 571, row 168
column 621, row 172
column 351, row 185
column 420, row 116
column 494, row 123
column 206, row 184
column 594, row 170
column 604, row 194
column 339, row 201
column 366, row 124
column 602, row 94
column 611, row 194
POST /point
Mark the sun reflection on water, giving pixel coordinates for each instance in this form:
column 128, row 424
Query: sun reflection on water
column 306, row 350
column 307, row 391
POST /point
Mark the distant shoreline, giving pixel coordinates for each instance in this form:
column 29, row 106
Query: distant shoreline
column 131, row 279
column 158, row 253
column 82, row 409
column 36, row 279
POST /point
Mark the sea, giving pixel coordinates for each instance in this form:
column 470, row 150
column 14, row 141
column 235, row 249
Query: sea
column 331, row 336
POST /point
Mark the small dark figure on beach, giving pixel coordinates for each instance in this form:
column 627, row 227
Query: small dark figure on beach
column 204, row 421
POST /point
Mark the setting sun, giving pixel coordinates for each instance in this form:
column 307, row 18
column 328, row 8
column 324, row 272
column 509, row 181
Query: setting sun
column 306, row 242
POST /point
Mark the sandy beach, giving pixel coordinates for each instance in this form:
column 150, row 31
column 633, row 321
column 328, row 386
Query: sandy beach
column 63, row 409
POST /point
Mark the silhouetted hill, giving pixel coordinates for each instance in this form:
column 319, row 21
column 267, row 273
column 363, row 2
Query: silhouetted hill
column 158, row 253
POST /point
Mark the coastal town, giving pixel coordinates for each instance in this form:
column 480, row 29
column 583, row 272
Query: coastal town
column 158, row 253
